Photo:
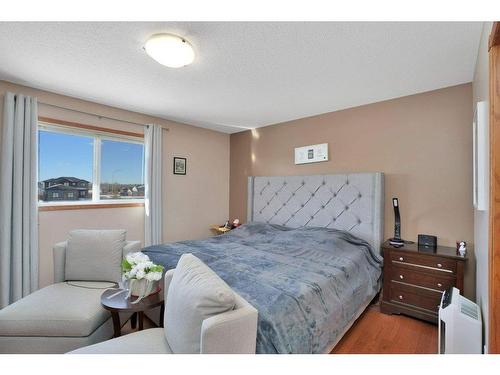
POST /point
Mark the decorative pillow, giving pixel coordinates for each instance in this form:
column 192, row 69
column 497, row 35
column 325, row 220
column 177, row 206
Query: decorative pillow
column 195, row 294
column 94, row 255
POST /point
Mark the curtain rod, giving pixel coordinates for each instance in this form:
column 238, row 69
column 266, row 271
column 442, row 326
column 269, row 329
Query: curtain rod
column 96, row 115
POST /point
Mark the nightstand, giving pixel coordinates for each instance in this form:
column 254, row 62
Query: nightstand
column 415, row 279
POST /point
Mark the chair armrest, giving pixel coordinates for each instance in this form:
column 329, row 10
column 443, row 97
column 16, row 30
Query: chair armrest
column 166, row 282
column 59, row 252
column 233, row 332
column 131, row 247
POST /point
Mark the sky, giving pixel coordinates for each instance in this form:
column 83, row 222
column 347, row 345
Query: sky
column 72, row 156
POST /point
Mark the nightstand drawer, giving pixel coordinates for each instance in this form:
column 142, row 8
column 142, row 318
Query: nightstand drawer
column 414, row 296
column 433, row 263
column 428, row 280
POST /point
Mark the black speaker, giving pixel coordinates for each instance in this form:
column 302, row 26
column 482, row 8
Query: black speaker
column 427, row 241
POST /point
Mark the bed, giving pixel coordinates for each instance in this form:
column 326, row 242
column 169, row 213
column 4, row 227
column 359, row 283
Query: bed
column 308, row 259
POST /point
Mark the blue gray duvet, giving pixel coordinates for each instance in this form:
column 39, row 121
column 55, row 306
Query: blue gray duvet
column 307, row 283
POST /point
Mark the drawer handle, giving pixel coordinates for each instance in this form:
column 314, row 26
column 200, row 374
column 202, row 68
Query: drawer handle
column 401, row 277
column 440, row 285
column 439, row 265
column 400, row 297
column 401, row 259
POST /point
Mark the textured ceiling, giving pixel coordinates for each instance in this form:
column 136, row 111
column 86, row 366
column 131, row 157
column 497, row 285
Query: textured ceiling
column 244, row 75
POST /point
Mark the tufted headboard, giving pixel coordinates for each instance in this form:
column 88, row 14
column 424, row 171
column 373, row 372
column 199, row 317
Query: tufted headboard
column 353, row 202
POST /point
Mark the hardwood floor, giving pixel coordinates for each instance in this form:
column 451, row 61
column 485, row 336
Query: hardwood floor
column 377, row 333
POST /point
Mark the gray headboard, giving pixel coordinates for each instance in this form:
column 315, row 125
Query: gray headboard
column 352, row 202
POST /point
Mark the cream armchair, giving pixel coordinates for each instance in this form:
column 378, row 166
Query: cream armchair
column 68, row 314
column 232, row 331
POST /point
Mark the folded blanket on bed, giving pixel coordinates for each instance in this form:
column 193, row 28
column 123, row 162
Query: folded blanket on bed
column 307, row 283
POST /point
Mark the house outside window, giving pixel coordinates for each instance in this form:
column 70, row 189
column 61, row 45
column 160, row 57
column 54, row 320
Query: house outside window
column 92, row 166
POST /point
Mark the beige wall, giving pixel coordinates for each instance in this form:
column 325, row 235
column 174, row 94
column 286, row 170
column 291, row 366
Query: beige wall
column 480, row 92
column 53, row 227
column 423, row 144
column 191, row 202
column 428, row 166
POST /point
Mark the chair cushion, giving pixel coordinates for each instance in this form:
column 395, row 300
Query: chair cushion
column 195, row 294
column 95, row 255
column 57, row 310
column 149, row 341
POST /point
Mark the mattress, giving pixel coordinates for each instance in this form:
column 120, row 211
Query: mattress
column 307, row 283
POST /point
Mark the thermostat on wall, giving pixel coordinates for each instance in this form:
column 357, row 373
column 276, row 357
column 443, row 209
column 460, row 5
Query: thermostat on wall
column 311, row 154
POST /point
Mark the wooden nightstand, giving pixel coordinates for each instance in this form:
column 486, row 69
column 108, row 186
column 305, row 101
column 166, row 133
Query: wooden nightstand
column 414, row 280
column 217, row 229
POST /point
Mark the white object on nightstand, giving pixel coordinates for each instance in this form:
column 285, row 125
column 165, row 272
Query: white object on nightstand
column 311, row 154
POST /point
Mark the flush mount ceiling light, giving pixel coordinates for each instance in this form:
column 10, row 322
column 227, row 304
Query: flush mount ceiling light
column 170, row 50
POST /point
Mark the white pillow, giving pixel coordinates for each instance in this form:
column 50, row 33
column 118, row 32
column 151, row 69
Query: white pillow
column 195, row 294
column 94, row 255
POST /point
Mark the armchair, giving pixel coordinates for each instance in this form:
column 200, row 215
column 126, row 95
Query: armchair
column 232, row 331
column 68, row 314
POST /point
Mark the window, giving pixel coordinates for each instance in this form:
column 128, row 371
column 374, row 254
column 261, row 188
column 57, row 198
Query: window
column 81, row 165
column 121, row 170
column 63, row 157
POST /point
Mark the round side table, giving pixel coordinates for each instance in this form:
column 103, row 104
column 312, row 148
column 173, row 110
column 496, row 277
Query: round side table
column 117, row 303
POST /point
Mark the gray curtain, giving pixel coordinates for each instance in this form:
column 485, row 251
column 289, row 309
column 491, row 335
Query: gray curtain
column 153, row 185
column 18, row 199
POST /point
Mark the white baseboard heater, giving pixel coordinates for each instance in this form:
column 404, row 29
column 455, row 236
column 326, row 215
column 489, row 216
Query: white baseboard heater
column 460, row 325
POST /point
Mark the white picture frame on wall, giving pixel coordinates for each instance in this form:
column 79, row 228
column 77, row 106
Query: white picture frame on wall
column 480, row 152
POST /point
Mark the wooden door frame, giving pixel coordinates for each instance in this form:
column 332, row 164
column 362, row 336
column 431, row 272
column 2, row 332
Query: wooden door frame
column 494, row 217
column 494, row 38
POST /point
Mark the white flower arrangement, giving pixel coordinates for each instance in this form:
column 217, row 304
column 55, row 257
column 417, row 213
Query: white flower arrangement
column 137, row 266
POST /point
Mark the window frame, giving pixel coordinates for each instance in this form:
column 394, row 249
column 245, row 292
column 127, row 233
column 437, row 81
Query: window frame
column 98, row 136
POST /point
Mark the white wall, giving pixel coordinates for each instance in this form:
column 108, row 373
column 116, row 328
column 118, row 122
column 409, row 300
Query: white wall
column 479, row 93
